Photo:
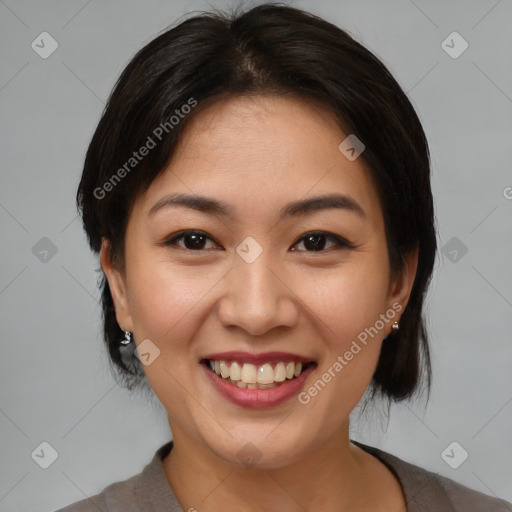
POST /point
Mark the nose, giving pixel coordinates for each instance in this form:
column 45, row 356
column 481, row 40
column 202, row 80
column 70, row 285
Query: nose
column 257, row 298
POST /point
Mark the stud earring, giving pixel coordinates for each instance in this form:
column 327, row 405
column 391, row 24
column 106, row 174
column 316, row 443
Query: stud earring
column 128, row 338
column 395, row 326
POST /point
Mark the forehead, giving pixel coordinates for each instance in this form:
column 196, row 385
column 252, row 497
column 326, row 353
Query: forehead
column 258, row 153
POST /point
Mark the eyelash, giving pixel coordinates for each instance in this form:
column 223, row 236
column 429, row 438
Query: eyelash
column 338, row 241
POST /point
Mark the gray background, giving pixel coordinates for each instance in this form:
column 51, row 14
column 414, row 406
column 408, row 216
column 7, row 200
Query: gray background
column 55, row 382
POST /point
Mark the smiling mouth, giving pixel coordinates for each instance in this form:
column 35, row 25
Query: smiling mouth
column 250, row 376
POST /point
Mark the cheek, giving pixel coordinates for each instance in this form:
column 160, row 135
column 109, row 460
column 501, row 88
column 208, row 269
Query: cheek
column 168, row 306
column 165, row 298
column 346, row 306
column 347, row 301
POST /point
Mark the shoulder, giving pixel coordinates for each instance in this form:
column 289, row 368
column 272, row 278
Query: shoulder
column 428, row 491
column 117, row 496
column 469, row 500
column 147, row 491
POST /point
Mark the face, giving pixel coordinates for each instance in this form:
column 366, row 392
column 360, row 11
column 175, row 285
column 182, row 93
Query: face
column 259, row 272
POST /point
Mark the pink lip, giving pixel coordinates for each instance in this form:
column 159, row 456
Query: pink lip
column 256, row 359
column 257, row 398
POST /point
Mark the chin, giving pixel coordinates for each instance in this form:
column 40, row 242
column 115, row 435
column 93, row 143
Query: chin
column 260, row 449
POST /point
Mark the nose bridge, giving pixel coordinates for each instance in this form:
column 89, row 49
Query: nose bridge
column 256, row 299
column 256, row 284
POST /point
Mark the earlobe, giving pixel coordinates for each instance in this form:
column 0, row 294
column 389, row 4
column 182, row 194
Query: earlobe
column 117, row 284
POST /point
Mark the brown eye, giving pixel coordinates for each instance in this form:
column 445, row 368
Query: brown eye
column 317, row 241
column 190, row 240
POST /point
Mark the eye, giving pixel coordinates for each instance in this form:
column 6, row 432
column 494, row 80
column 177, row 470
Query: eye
column 318, row 240
column 190, row 240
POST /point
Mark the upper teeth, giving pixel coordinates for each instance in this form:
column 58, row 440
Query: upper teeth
column 251, row 374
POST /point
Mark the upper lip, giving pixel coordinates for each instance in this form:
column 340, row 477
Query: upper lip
column 257, row 359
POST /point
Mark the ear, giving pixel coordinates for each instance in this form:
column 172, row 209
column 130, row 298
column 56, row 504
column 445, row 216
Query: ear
column 117, row 283
column 400, row 288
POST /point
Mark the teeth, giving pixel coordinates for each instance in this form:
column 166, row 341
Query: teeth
column 224, row 370
column 266, row 386
column 280, row 372
column 249, row 373
column 250, row 376
column 265, row 374
column 234, row 371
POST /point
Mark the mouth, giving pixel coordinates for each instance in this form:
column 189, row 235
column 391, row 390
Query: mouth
column 246, row 375
column 255, row 381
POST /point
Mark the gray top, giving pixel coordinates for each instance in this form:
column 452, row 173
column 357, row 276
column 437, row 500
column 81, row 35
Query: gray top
column 150, row 491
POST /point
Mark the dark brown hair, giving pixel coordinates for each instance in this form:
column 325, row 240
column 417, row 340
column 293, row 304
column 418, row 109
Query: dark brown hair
column 269, row 50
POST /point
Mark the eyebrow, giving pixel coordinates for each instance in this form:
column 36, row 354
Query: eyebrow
column 214, row 207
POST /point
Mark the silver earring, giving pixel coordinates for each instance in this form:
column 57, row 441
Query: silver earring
column 395, row 326
column 127, row 338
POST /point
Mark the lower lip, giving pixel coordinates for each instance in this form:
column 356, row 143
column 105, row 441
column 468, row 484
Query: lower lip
column 256, row 398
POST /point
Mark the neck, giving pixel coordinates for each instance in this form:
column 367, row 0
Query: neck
column 333, row 477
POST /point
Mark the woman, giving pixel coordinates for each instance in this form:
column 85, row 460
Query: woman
column 258, row 192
